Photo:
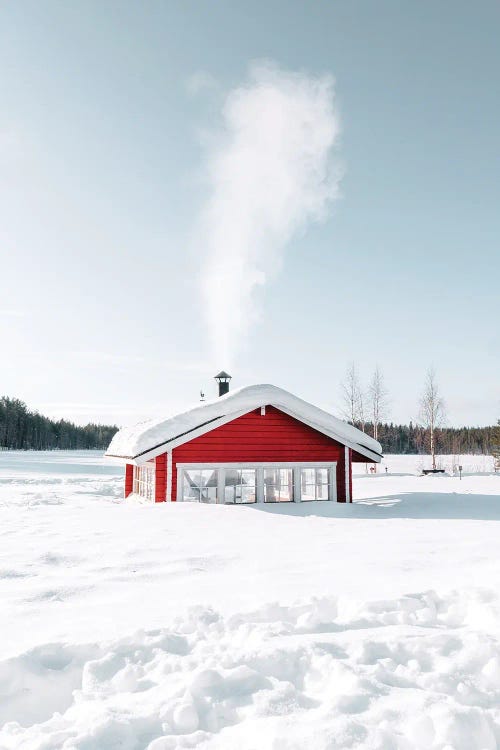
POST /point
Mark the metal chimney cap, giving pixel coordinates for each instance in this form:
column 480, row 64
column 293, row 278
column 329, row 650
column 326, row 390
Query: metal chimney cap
column 223, row 380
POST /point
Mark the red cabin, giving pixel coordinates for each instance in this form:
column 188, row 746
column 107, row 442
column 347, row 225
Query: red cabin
column 258, row 444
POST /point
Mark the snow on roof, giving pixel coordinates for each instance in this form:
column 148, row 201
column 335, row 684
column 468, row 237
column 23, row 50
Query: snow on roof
column 142, row 439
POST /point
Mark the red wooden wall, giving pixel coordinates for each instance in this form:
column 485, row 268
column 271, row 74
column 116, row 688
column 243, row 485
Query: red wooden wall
column 359, row 458
column 161, row 478
column 274, row 436
column 129, row 478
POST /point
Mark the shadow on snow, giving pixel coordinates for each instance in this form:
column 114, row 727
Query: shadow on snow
column 423, row 505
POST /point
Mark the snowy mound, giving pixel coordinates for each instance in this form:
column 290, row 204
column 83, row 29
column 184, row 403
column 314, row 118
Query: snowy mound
column 413, row 673
column 131, row 442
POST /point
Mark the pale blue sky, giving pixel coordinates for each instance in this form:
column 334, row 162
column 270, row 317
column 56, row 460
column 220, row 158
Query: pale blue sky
column 100, row 159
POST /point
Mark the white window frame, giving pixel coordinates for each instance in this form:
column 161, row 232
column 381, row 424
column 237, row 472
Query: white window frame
column 294, row 469
column 329, row 482
column 331, row 466
column 221, row 481
column 200, row 467
column 144, row 481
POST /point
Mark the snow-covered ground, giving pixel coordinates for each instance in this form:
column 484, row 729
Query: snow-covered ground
column 374, row 625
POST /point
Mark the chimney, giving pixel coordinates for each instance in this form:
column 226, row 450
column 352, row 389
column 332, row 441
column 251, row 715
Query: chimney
column 223, row 380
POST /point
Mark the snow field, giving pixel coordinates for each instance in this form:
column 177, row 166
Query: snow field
column 414, row 464
column 133, row 626
column 409, row 673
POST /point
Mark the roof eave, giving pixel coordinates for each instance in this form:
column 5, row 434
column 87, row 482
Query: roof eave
column 358, row 447
column 212, row 424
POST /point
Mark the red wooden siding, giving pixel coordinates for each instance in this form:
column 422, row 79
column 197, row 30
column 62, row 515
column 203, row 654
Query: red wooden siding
column 129, row 478
column 161, row 478
column 358, row 458
column 254, row 437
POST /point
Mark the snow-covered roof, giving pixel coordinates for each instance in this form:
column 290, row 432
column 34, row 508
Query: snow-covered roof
column 148, row 439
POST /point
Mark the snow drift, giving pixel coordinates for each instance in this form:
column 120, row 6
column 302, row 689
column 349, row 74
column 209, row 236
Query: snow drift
column 412, row 673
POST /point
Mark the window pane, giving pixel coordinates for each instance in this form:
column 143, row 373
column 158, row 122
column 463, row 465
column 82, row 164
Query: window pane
column 200, row 485
column 208, row 486
column 314, row 484
column 144, row 481
column 321, row 484
column 190, row 491
column 307, row 485
column 278, row 485
column 240, row 486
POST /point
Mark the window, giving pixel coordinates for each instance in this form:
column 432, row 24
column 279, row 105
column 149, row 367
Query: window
column 256, row 483
column 240, row 486
column 314, row 484
column 278, row 485
column 200, row 486
column 144, row 481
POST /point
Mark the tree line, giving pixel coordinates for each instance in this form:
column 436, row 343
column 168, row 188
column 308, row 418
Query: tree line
column 367, row 408
column 24, row 429
column 414, row 438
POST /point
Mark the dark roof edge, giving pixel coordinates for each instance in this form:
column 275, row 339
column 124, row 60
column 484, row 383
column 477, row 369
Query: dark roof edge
column 364, row 449
column 165, row 442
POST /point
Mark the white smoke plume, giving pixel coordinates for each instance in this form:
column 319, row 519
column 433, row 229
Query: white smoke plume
column 271, row 170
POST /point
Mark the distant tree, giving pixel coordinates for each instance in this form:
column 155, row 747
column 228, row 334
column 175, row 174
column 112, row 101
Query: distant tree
column 432, row 410
column 352, row 398
column 23, row 429
column 377, row 401
column 414, row 438
column 361, row 410
column 495, row 448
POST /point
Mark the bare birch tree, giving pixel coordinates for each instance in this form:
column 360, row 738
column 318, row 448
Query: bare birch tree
column 432, row 410
column 361, row 409
column 352, row 398
column 495, row 448
column 377, row 399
